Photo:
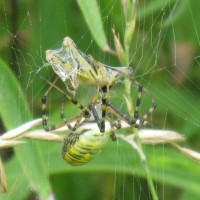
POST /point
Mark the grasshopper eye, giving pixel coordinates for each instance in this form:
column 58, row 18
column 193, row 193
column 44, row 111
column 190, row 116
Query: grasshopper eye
column 68, row 42
column 49, row 55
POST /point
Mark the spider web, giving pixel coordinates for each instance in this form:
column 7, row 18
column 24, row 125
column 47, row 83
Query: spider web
column 165, row 58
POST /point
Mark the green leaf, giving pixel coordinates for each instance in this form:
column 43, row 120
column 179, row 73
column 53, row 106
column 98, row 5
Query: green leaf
column 14, row 111
column 91, row 13
column 16, row 181
column 151, row 7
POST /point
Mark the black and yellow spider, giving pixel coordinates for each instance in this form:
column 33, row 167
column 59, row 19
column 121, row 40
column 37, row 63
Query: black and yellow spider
column 86, row 138
column 74, row 68
column 83, row 144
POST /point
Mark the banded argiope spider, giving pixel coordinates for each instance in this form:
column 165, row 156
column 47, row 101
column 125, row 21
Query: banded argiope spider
column 74, row 68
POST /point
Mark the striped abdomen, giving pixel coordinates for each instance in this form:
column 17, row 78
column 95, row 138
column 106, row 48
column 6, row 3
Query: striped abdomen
column 85, row 143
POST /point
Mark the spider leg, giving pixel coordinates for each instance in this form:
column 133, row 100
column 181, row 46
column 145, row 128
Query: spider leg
column 104, row 99
column 119, row 114
column 140, row 89
column 100, row 121
column 105, row 90
column 136, row 122
column 113, row 124
column 95, row 115
column 62, row 115
column 85, row 111
column 109, row 118
column 137, row 106
column 77, row 118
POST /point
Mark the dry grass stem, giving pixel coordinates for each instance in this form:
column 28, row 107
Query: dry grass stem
column 20, row 130
column 152, row 136
column 133, row 144
column 195, row 156
column 147, row 136
column 3, row 186
column 43, row 135
column 9, row 143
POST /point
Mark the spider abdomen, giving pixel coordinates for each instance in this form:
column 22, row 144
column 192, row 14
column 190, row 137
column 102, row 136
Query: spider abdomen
column 85, row 143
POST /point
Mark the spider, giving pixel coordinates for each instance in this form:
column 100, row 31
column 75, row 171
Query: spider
column 87, row 141
column 75, row 68
column 83, row 144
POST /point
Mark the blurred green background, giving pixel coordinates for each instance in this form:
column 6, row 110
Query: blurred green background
column 164, row 54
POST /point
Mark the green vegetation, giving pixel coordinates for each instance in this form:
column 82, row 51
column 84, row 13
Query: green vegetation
column 163, row 48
